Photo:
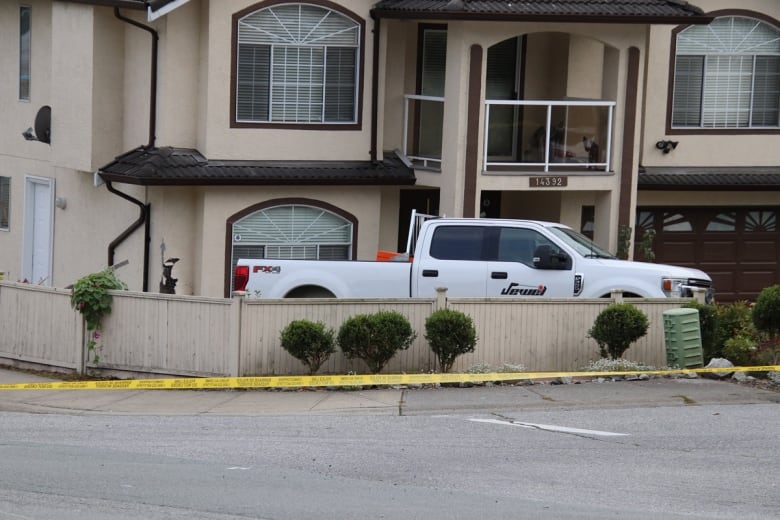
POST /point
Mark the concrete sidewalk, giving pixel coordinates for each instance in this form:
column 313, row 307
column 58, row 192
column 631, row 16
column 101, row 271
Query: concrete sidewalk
column 379, row 401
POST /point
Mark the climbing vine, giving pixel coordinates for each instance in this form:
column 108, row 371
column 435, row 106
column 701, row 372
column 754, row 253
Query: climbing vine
column 91, row 298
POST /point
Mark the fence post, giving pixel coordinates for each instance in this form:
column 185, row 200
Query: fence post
column 237, row 314
column 700, row 294
column 441, row 298
column 617, row 295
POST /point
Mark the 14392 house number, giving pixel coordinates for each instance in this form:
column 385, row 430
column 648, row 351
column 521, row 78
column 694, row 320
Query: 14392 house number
column 548, row 181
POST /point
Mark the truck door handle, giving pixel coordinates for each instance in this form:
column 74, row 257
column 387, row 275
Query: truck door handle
column 430, row 273
column 498, row 275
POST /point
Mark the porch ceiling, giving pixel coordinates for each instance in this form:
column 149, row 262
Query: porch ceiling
column 710, row 178
column 572, row 11
column 168, row 166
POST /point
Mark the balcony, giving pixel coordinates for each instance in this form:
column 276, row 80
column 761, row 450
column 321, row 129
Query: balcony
column 547, row 136
column 523, row 137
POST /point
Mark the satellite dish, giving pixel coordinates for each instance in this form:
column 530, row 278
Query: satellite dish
column 43, row 124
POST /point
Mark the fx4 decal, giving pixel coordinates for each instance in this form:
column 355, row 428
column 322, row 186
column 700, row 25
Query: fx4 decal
column 515, row 289
column 267, row 269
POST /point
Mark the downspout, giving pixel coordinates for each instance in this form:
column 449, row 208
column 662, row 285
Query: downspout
column 144, row 218
column 153, row 88
column 375, row 90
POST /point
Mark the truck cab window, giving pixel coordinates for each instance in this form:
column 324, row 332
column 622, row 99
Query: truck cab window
column 458, row 243
column 519, row 245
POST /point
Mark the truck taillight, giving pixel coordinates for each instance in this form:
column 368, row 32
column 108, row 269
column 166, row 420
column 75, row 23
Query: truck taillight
column 240, row 277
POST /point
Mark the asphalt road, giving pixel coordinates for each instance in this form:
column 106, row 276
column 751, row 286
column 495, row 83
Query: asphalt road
column 631, row 461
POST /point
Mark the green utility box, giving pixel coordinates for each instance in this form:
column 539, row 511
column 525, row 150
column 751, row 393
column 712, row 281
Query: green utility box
column 683, row 338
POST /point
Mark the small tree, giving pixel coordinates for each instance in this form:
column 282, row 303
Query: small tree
column 91, row 298
column 309, row 342
column 375, row 338
column 766, row 316
column 450, row 333
column 616, row 327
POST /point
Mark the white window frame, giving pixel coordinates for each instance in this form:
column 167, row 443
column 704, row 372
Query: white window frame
column 297, row 75
column 29, row 227
column 722, row 93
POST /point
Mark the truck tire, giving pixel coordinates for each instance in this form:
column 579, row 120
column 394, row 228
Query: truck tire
column 310, row 291
column 625, row 295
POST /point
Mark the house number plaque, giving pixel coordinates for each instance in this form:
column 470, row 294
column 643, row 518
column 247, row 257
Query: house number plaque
column 548, row 181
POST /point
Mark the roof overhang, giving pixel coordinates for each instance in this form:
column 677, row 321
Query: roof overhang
column 154, row 8
column 742, row 178
column 122, row 4
column 673, row 12
column 168, row 166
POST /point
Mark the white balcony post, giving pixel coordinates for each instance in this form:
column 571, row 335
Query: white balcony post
column 487, row 126
column 609, row 138
column 547, row 139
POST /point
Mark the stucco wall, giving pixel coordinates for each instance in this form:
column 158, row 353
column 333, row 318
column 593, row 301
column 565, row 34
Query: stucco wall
column 219, row 204
column 742, row 148
column 222, row 142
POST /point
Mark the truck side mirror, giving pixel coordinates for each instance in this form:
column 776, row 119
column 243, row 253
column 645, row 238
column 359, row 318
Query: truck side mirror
column 545, row 258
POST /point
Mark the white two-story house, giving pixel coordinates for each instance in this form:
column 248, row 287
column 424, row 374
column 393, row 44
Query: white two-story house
column 210, row 130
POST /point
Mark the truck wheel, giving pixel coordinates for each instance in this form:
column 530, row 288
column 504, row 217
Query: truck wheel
column 625, row 295
column 310, row 291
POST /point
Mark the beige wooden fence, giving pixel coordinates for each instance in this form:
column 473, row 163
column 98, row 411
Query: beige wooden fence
column 158, row 334
column 37, row 325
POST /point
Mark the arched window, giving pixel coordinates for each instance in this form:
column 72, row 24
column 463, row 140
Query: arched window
column 727, row 75
column 292, row 231
column 297, row 63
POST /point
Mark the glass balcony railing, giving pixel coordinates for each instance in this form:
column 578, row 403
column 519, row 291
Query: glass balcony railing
column 547, row 136
column 521, row 136
column 423, row 123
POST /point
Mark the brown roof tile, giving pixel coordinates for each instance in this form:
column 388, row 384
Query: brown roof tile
column 710, row 178
column 168, row 166
column 620, row 11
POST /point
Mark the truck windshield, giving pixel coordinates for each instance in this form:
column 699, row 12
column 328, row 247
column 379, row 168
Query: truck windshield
column 580, row 243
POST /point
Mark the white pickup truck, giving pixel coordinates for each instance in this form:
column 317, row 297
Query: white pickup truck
column 475, row 258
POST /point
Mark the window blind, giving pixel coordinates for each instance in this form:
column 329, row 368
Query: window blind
column 5, row 201
column 434, row 62
column 727, row 75
column 297, row 63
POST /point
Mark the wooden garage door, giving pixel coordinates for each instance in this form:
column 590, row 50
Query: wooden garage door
column 738, row 247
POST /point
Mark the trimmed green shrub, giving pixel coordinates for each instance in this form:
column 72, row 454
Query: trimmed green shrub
column 708, row 324
column 450, row 333
column 375, row 338
column 766, row 318
column 740, row 350
column 312, row 343
column 616, row 327
column 733, row 320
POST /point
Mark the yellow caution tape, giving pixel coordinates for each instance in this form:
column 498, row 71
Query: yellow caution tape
column 348, row 380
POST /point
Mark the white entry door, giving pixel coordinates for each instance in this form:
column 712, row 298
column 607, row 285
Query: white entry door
column 38, row 230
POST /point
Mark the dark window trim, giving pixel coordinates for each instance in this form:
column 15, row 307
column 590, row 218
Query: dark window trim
column 627, row 160
column 421, row 28
column 473, row 121
column 232, row 219
column 670, row 87
column 357, row 125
